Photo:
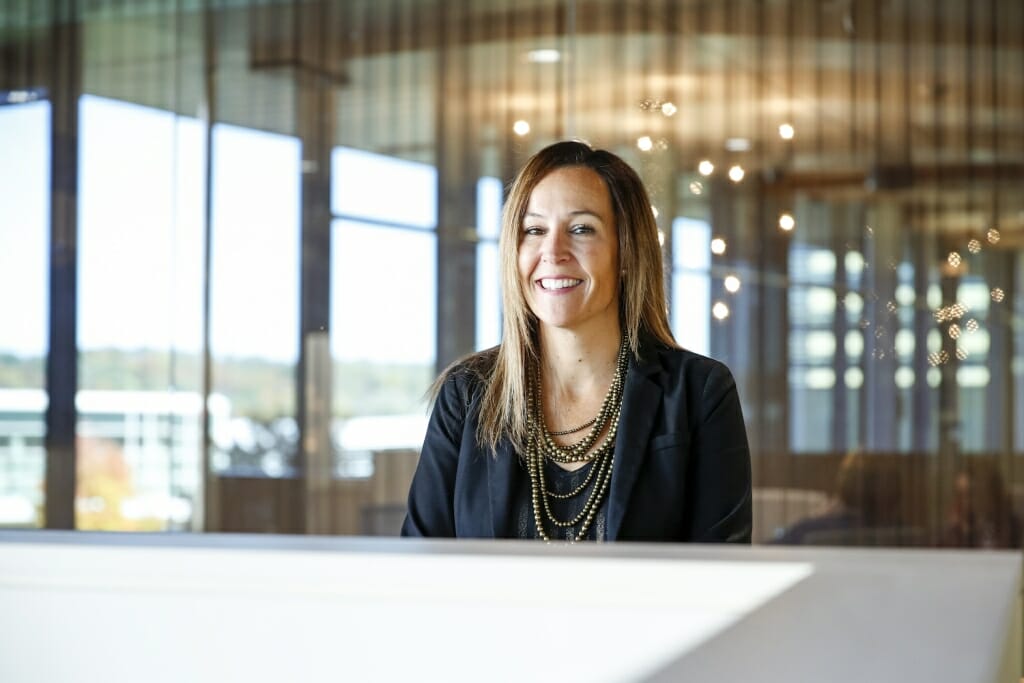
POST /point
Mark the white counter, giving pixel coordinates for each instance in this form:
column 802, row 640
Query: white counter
column 92, row 607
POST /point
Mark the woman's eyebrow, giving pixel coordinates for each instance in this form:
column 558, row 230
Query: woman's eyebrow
column 577, row 212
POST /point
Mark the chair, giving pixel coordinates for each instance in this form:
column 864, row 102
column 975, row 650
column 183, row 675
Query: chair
column 777, row 508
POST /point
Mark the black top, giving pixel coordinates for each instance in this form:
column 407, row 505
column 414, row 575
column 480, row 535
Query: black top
column 558, row 480
column 682, row 465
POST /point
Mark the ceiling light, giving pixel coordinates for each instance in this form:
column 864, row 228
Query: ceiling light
column 521, row 127
column 787, row 222
column 706, row 167
column 786, row 131
column 544, row 55
column 644, row 144
column 737, row 144
column 736, row 173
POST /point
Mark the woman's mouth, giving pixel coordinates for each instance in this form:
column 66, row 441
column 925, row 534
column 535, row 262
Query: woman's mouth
column 554, row 284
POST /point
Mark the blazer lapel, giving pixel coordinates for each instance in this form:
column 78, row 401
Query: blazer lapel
column 501, row 473
column 640, row 399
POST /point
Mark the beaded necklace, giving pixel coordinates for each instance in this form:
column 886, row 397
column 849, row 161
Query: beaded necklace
column 540, row 447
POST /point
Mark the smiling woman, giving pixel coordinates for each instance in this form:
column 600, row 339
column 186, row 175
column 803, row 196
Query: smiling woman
column 587, row 422
column 568, row 254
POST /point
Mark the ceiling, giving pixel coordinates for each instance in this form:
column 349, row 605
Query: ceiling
column 916, row 100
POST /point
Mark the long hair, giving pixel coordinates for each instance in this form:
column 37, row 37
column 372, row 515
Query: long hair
column 642, row 306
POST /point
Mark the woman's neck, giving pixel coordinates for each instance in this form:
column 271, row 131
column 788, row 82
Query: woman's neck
column 574, row 364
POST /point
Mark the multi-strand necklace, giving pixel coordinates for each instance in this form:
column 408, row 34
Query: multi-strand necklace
column 540, row 447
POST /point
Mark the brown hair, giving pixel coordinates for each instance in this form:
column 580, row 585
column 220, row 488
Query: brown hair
column 642, row 304
column 982, row 513
column 871, row 485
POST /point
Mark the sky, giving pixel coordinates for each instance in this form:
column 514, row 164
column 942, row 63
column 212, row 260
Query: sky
column 24, row 217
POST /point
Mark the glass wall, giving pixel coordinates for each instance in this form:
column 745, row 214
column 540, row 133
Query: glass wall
column 287, row 216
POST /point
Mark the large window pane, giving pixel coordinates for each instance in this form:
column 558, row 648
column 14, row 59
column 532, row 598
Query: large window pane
column 691, row 284
column 383, row 189
column 812, row 380
column 488, row 268
column 254, row 301
column 383, row 330
column 139, row 323
column 24, row 246
column 383, row 315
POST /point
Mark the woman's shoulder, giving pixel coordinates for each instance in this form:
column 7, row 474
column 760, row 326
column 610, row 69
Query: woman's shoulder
column 677, row 360
column 475, row 366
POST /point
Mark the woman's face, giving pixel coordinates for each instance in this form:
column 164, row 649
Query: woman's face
column 569, row 252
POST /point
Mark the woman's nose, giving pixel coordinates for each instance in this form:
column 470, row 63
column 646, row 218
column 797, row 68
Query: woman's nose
column 554, row 247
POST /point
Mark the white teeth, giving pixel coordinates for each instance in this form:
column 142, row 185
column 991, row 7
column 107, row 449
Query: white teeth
column 551, row 283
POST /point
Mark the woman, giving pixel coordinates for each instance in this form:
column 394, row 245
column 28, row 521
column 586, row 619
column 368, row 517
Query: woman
column 588, row 421
column 981, row 514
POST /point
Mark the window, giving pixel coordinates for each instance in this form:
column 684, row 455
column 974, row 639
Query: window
column 254, row 292
column 383, row 304
column 691, row 284
column 140, row 316
column 488, row 268
column 24, row 261
column 812, row 348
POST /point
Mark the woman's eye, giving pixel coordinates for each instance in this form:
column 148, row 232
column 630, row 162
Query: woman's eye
column 533, row 230
column 582, row 229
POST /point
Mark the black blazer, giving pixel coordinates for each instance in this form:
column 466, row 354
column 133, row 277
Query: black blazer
column 681, row 469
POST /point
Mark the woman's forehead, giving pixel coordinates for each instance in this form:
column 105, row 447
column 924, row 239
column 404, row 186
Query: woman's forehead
column 570, row 189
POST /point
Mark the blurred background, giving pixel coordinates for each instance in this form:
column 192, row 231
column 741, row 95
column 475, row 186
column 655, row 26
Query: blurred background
column 239, row 238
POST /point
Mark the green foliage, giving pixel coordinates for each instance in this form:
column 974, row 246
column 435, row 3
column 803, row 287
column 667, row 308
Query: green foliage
column 21, row 373
column 372, row 389
column 260, row 389
column 111, row 369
